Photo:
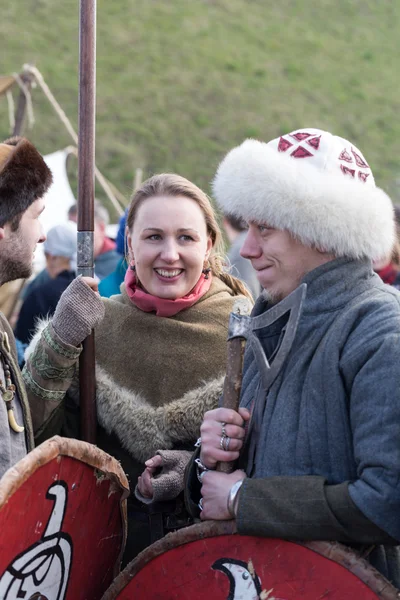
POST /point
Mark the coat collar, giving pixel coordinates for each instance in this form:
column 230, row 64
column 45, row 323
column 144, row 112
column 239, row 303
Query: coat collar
column 332, row 285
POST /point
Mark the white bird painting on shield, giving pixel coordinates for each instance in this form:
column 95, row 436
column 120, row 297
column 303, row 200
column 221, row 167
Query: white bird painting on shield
column 42, row 570
column 244, row 583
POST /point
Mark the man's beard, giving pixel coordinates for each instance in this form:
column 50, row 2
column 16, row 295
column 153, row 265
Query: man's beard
column 14, row 264
column 272, row 296
column 14, row 269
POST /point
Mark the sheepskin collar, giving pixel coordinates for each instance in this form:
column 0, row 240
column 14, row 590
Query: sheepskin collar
column 138, row 349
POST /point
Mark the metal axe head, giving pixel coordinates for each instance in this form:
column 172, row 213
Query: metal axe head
column 239, row 319
column 292, row 305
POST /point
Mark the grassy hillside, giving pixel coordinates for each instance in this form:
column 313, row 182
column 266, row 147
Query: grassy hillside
column 179, row 82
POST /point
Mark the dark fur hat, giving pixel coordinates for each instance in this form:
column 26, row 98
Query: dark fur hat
column 24, row 178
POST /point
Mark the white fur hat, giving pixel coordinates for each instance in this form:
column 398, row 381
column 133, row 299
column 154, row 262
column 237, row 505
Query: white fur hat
column 316, row 185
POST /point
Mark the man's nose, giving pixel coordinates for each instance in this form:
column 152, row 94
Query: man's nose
column 250, row 248
column 42, row 237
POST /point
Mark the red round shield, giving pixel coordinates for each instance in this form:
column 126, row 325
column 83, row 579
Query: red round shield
column 62, row 523
column 208, row 561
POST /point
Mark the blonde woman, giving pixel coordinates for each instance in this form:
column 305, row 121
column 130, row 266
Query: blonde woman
column 160, row 344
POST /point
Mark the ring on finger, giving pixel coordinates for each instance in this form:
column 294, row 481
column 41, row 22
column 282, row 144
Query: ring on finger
column 200, row 504
column 226, row 443
column 221, row 442
column 223, row 432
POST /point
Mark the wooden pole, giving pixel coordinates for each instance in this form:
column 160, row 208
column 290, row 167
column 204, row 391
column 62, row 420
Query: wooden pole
column 234, row 364
column 20, row 114
column 86, row 166
column 232, row 386
column 137, row 182
column 21, row 107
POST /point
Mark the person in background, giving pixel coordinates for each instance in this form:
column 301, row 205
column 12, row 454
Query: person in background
column 106, row 258
column 111, row 284
column 388, row 268
column 24, row 180
column 60, row 252
column 73, row 213
column 236, row 230
column 43, row 276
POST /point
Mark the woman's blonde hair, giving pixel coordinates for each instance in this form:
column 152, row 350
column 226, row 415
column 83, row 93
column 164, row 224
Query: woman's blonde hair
column 170, row 184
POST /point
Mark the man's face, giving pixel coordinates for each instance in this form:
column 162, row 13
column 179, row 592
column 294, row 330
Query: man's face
column 280, row 260
column 17, row 247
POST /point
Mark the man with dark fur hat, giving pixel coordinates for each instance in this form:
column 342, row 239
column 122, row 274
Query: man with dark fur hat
column 321, row 378
column 24, row 180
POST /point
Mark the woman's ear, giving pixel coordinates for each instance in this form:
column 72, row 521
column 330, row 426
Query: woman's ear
column 129, row 243
column 209, row 247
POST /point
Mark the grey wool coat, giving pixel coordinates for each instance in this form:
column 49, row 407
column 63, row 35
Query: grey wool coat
column 327, row 460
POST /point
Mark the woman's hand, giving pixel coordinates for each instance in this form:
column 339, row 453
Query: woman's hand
column 79, row 310
column 92, row 283
column 144, row 483
column 222, row 433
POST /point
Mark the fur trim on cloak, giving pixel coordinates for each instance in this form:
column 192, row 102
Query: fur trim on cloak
column 24, row 178
column 143, row 429
column 332, row 212
column 40, row 324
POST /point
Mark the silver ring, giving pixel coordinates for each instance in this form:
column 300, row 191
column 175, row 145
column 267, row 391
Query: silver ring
column 200, row 504
column 200, row 476
column 227, row 441
column 221, row 442
column 223, row 433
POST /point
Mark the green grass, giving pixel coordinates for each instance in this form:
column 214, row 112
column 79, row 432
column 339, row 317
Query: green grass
column 180, row 82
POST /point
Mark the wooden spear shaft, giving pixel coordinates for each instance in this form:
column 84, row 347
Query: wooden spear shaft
column 86, row 166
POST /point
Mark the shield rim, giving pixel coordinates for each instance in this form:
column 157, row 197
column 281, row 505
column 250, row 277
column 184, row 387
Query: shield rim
column 334, row 551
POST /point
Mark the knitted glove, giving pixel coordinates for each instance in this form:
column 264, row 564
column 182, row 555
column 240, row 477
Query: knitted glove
column 78, row 311
column 170, row 482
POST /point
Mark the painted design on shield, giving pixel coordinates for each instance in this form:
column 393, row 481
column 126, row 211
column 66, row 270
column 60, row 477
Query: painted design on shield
column 244, row 581
column 42, row 571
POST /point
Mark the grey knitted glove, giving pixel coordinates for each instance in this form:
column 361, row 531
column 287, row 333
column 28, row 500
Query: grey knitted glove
column 78, row 311
column 170, row 482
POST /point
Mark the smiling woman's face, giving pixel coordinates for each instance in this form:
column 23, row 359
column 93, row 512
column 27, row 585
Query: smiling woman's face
column 169, row 244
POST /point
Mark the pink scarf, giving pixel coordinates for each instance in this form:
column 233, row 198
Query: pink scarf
column 164, row 307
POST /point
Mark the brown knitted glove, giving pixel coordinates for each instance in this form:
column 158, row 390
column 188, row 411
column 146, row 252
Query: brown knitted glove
column 169, row 483
column 78, row 311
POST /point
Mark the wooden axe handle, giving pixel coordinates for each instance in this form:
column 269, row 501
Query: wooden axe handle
column 232, row 386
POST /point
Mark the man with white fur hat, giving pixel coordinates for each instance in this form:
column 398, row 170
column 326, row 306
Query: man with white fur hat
column 321, row 459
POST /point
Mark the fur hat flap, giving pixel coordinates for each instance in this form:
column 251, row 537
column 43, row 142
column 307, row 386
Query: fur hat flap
column 333, row 212
column 24, row 178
